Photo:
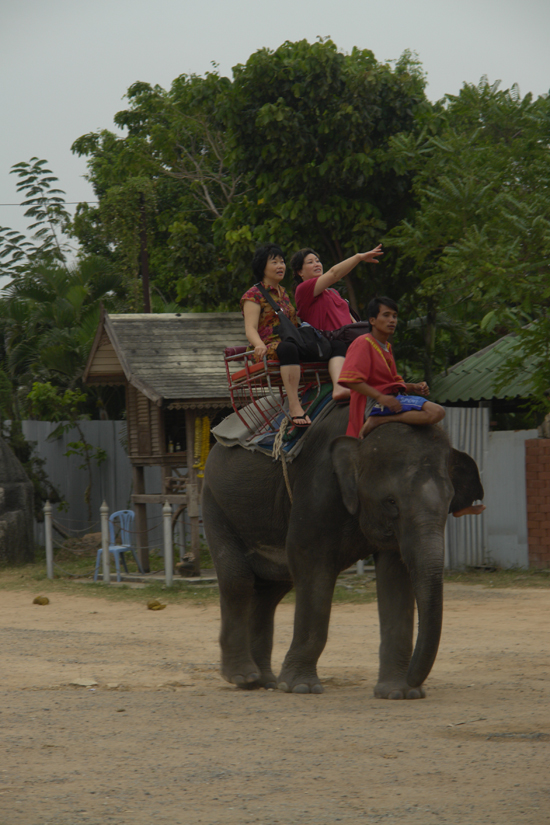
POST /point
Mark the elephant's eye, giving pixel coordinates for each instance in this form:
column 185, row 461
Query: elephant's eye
column 392, row 501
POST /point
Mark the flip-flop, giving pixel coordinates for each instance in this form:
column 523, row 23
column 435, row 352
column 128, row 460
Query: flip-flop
column 305, row 424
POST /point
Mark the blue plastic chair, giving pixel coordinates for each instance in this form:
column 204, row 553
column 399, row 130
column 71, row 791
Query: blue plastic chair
column 126, row 522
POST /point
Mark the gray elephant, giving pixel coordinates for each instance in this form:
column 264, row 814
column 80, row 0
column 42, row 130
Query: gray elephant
column 387, row 496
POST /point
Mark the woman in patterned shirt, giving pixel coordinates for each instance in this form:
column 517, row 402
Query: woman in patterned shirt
column 269, row 267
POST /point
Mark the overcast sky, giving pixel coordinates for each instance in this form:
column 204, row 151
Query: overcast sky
column 66, row 64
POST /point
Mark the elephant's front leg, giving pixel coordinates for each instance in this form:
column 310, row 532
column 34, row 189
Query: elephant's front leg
column 396, row 612
column 314, row 590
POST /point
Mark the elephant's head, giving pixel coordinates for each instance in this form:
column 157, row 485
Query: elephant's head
column 401, row 482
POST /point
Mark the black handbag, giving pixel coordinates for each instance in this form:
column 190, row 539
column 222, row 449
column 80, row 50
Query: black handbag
column 347, row 333
column 312, row 345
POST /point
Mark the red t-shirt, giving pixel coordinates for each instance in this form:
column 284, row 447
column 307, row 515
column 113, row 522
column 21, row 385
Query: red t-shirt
column 367, row 362
column 328, row 310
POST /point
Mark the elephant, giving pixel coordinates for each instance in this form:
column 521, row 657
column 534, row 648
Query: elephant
column 387, row 496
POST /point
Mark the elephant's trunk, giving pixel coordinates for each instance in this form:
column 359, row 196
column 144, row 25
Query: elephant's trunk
column 425, row 559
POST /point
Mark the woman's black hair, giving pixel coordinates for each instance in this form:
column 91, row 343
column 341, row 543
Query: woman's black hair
column 297, row 262
column 262, row 255
column 375, row 303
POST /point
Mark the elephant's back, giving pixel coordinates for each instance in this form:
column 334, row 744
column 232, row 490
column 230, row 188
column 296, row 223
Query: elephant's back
column 242, row 478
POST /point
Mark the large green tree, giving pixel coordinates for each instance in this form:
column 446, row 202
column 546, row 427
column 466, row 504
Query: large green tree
column 476, row 251
column 310, row 130
column 49, row 311
column 162, row 187
column 295, row 149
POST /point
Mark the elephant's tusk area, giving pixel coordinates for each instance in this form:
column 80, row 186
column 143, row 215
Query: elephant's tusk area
column 474, row 510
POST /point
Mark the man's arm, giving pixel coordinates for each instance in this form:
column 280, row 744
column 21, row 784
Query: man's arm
column 389, row 401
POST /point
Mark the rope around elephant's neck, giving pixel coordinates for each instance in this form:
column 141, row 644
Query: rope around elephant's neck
column 278, row 452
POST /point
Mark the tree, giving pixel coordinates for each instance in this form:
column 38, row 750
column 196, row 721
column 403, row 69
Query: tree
column 49, row 318
column 47, row 403
column 294, row 149
column 173, row 162
column 476, row 250
column 310, row 129
column 49, row 312
column 46, row 207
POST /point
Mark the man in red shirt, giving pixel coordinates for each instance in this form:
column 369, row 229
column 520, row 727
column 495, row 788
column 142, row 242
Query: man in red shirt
column 378, row 394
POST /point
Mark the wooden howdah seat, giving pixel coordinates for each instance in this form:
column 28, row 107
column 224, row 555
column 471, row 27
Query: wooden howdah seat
column 256, row 389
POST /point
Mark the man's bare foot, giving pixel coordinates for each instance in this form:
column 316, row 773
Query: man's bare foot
column 474, row 510
column 340, row 393
column 370, row 424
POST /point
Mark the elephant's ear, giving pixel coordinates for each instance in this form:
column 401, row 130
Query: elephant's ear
column 344, row 451
column 465, row 479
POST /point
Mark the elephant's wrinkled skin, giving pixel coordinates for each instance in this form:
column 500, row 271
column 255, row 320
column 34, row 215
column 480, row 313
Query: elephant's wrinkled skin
column 388, row 496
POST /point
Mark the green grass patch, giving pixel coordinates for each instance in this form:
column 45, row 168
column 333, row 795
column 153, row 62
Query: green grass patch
column 496, row 578
column 71, row 566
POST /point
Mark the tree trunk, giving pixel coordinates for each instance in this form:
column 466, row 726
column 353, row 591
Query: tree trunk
column 429, row 342
column 144, row 257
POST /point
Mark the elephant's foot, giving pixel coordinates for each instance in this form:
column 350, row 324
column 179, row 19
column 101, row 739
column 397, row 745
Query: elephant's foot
column 398, row 690
column 268, row 681
column 247, row 676
column 299, row 682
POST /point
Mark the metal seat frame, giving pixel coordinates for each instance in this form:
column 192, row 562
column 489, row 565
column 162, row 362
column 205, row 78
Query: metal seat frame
column 249, row 385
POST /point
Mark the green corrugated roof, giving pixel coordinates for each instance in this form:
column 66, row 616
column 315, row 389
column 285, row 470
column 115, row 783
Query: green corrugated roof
column 474, row 378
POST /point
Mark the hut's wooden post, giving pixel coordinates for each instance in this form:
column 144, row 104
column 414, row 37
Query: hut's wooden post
column 141, row 519
column 166, row 473
column 168, row 545
column 192, row 490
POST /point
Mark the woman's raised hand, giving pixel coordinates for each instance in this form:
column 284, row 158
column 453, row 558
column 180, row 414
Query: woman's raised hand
column 372, row 256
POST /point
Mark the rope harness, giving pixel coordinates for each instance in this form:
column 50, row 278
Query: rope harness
column 278, row 452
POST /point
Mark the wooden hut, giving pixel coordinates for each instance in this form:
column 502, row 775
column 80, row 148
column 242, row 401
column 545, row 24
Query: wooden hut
column 173, row 370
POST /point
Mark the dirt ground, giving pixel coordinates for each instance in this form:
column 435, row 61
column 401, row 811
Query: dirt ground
column 161, row 738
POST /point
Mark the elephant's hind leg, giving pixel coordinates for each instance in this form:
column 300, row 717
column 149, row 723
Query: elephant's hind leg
column 238, row 665
column 236, row 582
column 396, row 612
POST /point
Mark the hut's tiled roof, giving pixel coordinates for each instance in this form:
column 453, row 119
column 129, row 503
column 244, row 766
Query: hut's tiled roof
column 168, row 356
column 475, row 378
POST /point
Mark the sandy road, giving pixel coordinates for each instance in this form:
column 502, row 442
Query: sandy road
column 162, row 738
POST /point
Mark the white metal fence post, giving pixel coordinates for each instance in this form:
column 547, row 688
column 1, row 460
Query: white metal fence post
column 168, row 556
column 104, row 516
column 48, row 539
column 360, row 567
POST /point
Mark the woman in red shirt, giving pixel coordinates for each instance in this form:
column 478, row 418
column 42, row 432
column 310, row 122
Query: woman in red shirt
column 320, row 305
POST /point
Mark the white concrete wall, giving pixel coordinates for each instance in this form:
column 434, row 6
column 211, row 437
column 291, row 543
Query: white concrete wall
column 505, row 498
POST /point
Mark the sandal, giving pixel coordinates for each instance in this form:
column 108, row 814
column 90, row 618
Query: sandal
column 296, row 418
